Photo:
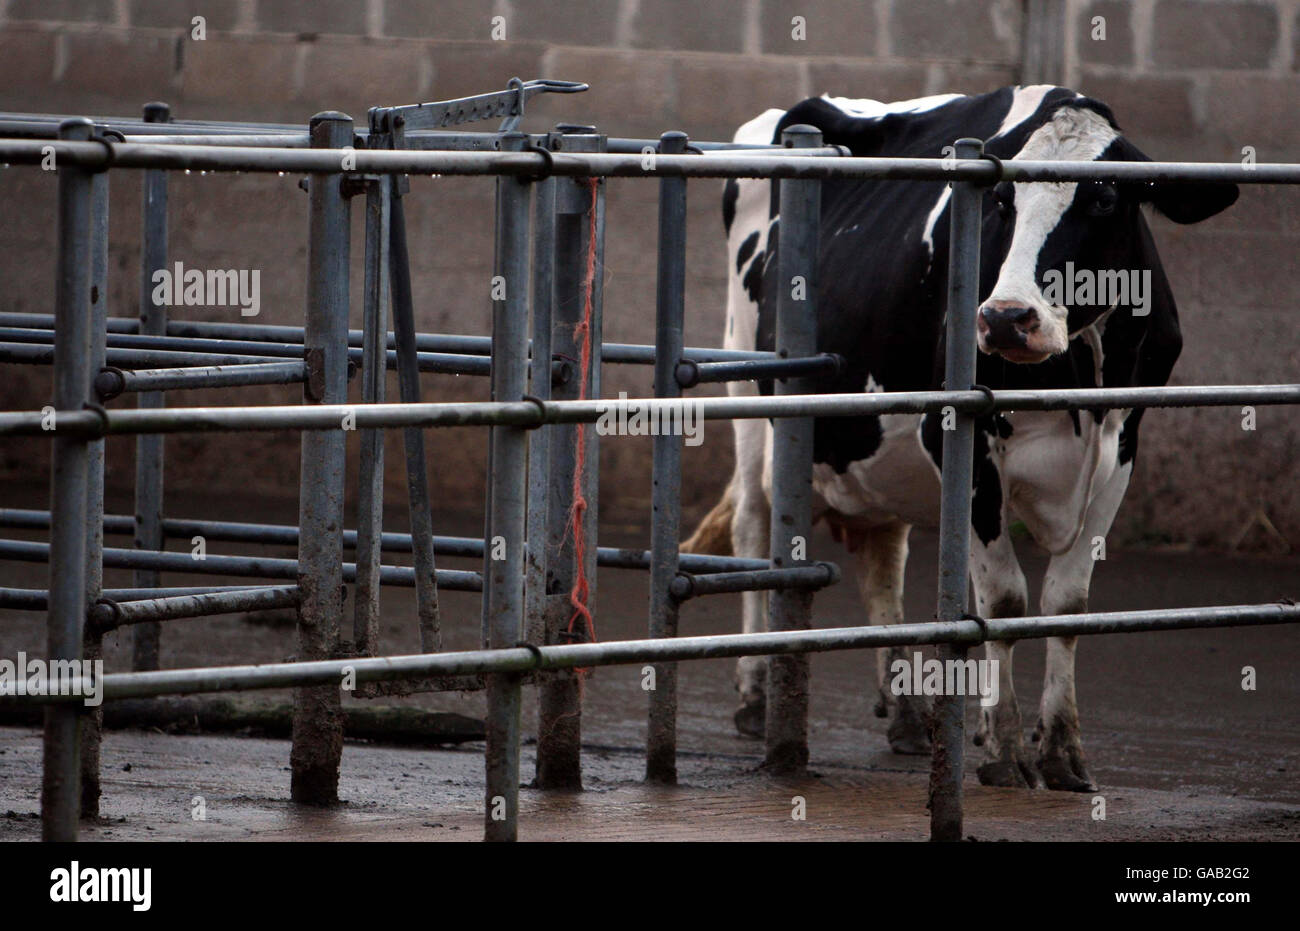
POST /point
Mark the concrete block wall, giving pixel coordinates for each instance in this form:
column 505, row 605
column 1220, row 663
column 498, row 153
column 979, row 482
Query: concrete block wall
column 702, row 67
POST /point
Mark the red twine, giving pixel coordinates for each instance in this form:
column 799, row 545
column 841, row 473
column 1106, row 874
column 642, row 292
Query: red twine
column 581, row 588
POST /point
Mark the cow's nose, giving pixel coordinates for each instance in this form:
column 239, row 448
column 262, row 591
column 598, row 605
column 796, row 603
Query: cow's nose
column 1006, row 324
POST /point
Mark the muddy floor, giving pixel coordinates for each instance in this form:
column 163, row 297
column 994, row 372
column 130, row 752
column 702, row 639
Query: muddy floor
column 1179, row 748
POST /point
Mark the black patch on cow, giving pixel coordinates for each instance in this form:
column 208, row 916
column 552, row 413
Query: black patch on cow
column 753, row 280
column 986, row 505
column 746, row 250
column 730, row 194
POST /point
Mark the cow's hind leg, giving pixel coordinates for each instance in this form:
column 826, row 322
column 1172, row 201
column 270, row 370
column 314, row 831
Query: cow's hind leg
column 882, row 556
column 1000, row 591
column 750, row 538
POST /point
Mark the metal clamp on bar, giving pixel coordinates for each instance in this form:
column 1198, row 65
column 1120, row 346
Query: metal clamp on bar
column 984, row 626
column 110, row 382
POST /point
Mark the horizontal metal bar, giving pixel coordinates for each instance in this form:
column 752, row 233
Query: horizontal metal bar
column 198, row 132
column 248, row 566
column 689, row 373
column 109, row 614
column 202, row 350
column 43, row 354
column 666, row 650
column 112, row 382
column 252, row 140
column 686, row 585
column 287, row 535
column 634, row 353
column 530, row 413
column 783, row 164
column 38, row 599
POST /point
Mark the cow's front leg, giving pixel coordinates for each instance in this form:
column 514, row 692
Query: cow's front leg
column 1060, row 746
column 1000, row 591
column 1065, row 591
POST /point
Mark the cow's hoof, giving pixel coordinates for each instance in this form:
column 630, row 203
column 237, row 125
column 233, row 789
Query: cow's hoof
column 1008, row 774
column 1066, row 775
column 751, row 719
column 908, row 733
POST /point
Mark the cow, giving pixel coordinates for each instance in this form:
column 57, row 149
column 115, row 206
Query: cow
column 880, row 305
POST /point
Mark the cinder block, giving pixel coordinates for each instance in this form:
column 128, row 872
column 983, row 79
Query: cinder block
column 218, row 15
column 689, row 25
column 446, row 19
column 563, row 22
column 462, row 69
column 126, row 65
column 874, row 80
column 716, row 95
column 28, row 54
column 1109, row 42
column 352, row 75
column 241, row 71
column 63, row 11
column 964, row 30
column 332, row 16
column 831, row 27
column 1256, row 110
column 1199, row 34
column 1144, row 105
column 956, row 78
column 632, row 93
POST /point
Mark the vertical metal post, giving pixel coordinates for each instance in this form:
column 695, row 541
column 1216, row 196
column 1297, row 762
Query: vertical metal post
column 93, row 640
column 417, row 473
column 145, row 638
column 954, row 517
column 317, row 715
column 539, row 440
column 503, row 562
column 792, row 465
column 666, row 501
column 559, row 712
column 60, row 795
column 374, row 372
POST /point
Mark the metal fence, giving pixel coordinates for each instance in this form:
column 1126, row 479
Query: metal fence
column 549, row 219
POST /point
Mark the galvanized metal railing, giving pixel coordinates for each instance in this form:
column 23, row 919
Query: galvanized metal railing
column 514, row 510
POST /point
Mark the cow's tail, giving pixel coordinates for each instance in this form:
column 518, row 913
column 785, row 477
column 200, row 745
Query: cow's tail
column 713, row 535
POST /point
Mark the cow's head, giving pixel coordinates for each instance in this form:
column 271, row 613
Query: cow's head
column 1050, row 235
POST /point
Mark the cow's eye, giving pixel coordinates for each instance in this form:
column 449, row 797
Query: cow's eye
column 1003, row 201
column 1104, row 201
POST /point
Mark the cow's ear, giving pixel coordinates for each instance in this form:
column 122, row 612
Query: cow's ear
column 1192, row 203
column 1182, row 203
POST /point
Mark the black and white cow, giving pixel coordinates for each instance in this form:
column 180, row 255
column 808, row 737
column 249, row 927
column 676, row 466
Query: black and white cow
column 881, row 287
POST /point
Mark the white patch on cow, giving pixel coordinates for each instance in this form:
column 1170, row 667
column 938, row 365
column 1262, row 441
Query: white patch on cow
column 1071, row 135
column 874, row 109
column 1025, row 102
column 935, row 213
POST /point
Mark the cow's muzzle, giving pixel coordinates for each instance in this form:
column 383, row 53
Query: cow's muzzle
column 1011, row 330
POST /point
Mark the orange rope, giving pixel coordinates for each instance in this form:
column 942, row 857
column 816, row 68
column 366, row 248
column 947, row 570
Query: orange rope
column 581, row 588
